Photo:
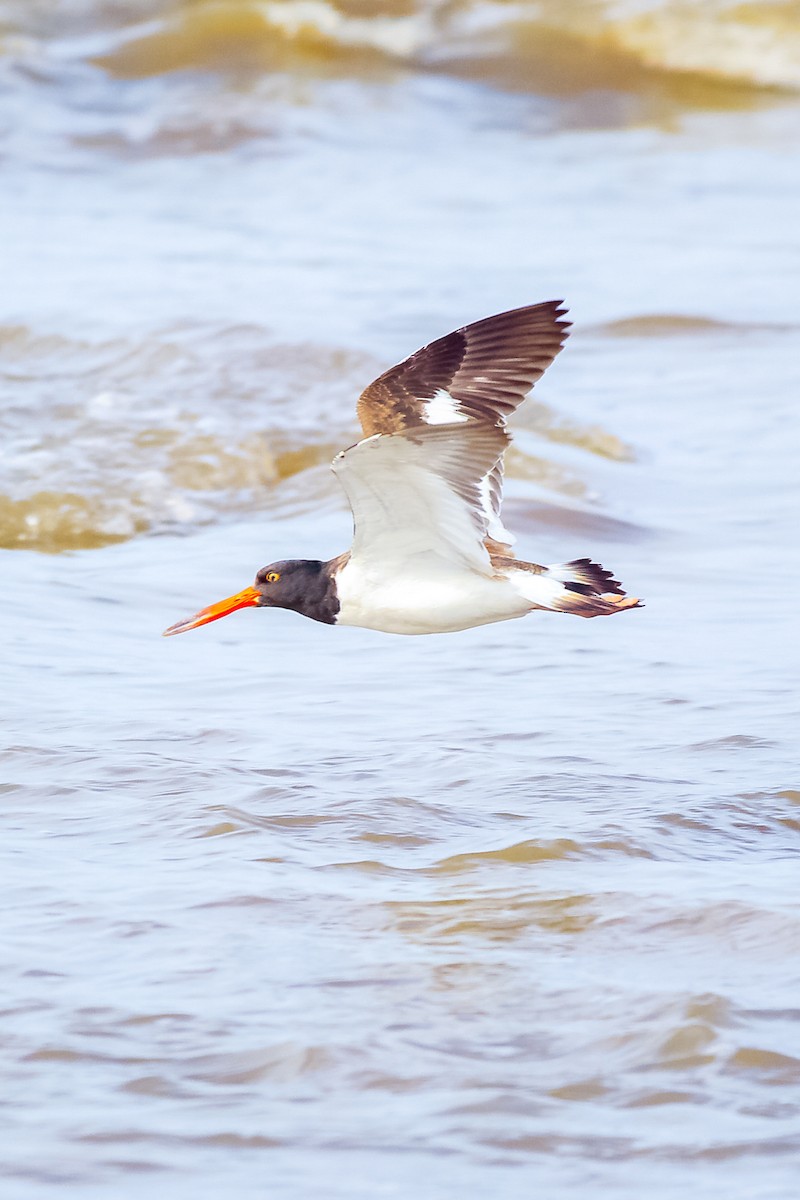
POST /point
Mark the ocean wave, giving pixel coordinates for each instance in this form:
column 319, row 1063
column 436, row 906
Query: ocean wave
column 107, row 440
column 540, row 45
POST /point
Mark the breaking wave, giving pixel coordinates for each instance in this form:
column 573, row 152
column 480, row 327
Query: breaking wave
column 541, row 45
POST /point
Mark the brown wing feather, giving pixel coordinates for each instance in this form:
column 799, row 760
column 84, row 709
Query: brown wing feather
column 487, row 368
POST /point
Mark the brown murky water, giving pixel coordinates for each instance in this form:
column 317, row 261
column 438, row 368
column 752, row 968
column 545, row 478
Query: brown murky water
column 309, row 912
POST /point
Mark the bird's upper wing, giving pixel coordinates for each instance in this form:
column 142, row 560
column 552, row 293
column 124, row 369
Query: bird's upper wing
column 418, row 492
column 481, row 372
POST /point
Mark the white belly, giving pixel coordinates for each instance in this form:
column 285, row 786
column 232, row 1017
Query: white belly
column 439, row 601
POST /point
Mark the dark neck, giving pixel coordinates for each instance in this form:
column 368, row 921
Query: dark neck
column 318, row 599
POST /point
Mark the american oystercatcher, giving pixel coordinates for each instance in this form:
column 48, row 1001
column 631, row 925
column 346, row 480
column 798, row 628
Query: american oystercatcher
column 429, row 553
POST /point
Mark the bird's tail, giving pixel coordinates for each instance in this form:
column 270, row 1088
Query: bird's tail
column 588, row 590
column 580, row 587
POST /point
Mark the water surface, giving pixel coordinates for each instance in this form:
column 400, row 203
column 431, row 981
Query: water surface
column 319, row 912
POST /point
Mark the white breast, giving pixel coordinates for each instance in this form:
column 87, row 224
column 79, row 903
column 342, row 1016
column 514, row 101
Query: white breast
column 424, row 598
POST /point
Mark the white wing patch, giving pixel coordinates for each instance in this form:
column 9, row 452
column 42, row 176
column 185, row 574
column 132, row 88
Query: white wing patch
column 442, row 409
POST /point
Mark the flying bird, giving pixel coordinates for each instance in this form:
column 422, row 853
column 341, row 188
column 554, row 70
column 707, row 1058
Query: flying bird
column 430, row 553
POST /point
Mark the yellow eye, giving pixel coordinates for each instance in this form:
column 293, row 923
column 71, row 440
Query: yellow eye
column 273, row 577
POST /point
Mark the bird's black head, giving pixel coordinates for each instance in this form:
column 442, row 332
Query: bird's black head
column 304, row 585
column 300, row 584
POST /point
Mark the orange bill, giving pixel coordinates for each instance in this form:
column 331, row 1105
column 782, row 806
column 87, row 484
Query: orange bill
column 249, row 598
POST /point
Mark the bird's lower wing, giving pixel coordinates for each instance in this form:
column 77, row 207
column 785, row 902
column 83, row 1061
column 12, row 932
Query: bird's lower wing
column 421, row 491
